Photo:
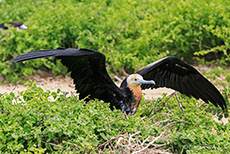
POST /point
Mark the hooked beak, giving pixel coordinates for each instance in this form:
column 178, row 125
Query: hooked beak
column 146, row 82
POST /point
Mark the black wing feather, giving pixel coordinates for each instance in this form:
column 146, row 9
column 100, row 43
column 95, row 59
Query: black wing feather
column 87, row 69
column 173, row 73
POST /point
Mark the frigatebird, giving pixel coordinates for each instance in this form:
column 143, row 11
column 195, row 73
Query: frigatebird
column 92, row 81
column 19, row 25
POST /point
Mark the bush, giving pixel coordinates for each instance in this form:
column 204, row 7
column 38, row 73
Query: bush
column 42, row 121
column 130, row 33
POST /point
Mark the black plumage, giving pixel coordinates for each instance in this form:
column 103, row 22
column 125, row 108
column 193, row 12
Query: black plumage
column 173, row 73
column 91, row 79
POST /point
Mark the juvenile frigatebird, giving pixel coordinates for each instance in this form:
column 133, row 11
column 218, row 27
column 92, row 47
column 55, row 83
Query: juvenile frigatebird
column 92, row 81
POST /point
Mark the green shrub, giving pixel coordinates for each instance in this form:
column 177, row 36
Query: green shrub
column 130, row 33
column 42, row 121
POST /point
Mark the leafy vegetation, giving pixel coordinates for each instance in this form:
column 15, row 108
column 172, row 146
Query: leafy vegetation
column 42, row 121
column 130, row 33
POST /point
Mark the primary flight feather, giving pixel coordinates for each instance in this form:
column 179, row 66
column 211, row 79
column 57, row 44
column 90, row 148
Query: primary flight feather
column 92, row 81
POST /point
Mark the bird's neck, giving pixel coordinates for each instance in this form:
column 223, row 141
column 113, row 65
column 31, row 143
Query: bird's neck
column 137, row 94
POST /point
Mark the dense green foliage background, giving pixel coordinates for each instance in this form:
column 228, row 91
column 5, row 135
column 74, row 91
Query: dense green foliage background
column 131, row 34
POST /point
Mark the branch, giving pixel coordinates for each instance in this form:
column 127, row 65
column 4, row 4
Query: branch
column 193, row 43
column 5, row 111
column 154, row 140
column 61, row 147
column 180, row 105
column 178, row 122
column 107, row 142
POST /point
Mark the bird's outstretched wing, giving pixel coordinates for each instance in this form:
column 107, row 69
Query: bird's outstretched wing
column 173, row 73
column 87, row 69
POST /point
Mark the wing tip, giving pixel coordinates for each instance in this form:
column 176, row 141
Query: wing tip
column 224, row 107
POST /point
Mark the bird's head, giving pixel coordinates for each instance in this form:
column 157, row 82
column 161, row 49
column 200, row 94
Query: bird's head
column 134, row 83
column 137, row 80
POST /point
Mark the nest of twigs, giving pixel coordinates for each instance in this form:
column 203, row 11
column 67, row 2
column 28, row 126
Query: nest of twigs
column 131, row 144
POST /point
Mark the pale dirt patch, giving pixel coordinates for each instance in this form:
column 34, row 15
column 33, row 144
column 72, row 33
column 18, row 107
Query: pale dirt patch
column 65, row 83
column 46, row 83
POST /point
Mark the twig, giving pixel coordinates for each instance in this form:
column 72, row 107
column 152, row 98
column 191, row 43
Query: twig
column 133, row 135
column 75, row 145
column 170, row 96
column 179, row 104
column 11, row 90
column 65, row 93
column 72, row 42
column 149, row 118
column 180, row 129
column 5, row 111
column 162, row 121
column 154, row 140
column 107, row 142
column 159, row 116
column 202, row 104
column 72, row 94
column 193, row 43
column 154, row 107
column 108, row 123
column 145, row 140
column 61, row 147
column 117, row 78
column 178, row 122
column 125, row 115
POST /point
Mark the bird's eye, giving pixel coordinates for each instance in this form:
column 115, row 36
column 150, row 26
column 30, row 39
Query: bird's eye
column 135, row 79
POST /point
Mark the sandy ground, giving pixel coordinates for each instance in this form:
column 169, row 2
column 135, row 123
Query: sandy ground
column 65, row 83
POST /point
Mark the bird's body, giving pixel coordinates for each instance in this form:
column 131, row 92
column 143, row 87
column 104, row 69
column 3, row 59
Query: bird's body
column 92, row 81
column 19, row 25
